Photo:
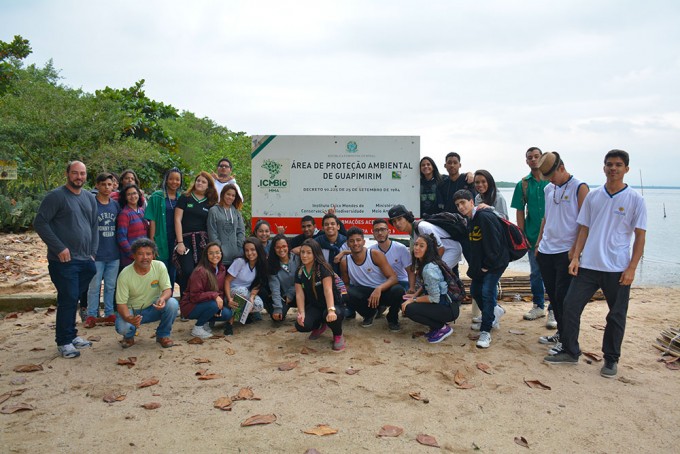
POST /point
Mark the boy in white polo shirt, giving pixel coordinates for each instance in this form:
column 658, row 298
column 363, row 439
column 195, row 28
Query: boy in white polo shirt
column 609, row 217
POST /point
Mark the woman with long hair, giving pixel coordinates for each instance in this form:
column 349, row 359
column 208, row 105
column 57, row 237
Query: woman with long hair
column 226, row 226
column 203, row 299
column 246, row 276
column 488, row 195
column 130, row 224
column 283, row 265
column 317, row 296
column 191, row 225
column 263, row 232
column 160, row 212
column 129, row 177
column 432, row 305
column 429, row 179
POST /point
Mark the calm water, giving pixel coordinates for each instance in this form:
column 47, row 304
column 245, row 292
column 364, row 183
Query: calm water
column 660, row 265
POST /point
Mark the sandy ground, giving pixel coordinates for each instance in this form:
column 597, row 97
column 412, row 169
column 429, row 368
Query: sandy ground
column 582, row 412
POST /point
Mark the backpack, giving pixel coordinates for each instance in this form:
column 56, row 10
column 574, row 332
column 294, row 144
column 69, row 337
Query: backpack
column 455, row 289
column 517, row 242
column 453, row 223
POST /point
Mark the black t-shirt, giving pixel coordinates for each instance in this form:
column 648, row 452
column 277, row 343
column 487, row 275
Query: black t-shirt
column 195, row 217
column 307, row 287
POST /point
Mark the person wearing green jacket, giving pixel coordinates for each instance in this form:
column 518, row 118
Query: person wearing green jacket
column 160, row 214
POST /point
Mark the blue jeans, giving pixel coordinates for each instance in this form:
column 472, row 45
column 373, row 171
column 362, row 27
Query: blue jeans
column 205, row 312
column 150, row 314
column 485, row 291
column 109, row 272
column 536, row 281
column 70, row 279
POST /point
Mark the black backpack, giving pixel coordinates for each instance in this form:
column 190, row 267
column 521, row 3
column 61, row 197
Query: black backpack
column 453, row 223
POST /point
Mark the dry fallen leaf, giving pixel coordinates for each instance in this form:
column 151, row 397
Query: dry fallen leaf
column 129, row 362
column 593, row 356
column 223, row 403
column 473, row 336
column 11, row 315
column 327, row 370
column 217, row 336
column 307, row 350
column 148, row 382
column 522, row 441
column 673, row 366
column 288, row 366
column 245, row 394
column 201, row 360
column 230, row 351
column 600, row 327
column 151, row 405
column 390, row 431
column 114, row 396
column 517, row 332
column 195, row 341
column 484, row 368
column 28, row 368
column 292, row 330
column 259, row 419
column 417, row 334
column 321, row 430
column 37, row 349
column 387, row 341
column 415, row 395
column 459, row 378
column 9, row 409
column 201, row 372
column 209, row 376
column 352, row 371
column 536, row 384
column 427, row 440
column 94, row 338
column 13, row 393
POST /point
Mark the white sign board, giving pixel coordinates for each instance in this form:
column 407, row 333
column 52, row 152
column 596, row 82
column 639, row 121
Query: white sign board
column 361, row 176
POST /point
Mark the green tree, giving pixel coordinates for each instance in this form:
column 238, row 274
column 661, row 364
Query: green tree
column 10, row 54
column 143, row 115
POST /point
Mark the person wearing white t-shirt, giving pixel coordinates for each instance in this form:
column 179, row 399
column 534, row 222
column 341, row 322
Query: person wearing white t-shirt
column 398, row 255
column 564, row 197
column 610, row 216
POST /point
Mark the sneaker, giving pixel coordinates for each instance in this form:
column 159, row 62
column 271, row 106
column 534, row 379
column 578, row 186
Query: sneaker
column 476, row 326
column 90, row 322
column 534, row 313
column 498, row 312
column 367, row 321
column 127, row 342
column 109, row 320
column 338, row 343
column 560, row 358
column 551, row 323
column 228, row 329
column 165, row 342
column 79, row 343
column 68, row 351
column 555, row 349
column 440, row 334
column 183, row 318
column 316, row 333
column 609, row 369
column 546, row 340
column 477, row 319
column 200, row 332
column 484, row 340
column 208, row 329
column 394, row 327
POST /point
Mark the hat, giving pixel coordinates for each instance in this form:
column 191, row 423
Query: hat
column 548, row 163
column 397, row 211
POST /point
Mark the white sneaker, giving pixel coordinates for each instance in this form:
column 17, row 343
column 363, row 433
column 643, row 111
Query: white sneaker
column 557, row 348
column 534, row 313
column 68, row 351
column 79, row 342
column 484, row 340
column 477, row 319
column 547, row 340
column 551, row 323
column 199, row 331
column 476, row 326
column 498, row 312
column 207, row 329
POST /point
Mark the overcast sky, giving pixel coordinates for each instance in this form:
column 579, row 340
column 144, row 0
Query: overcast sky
column 486, row 79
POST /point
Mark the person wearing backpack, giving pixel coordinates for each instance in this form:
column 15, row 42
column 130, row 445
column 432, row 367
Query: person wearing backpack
column 529, row 201
column 487, row 260
column 434, row 304
column 449, row 249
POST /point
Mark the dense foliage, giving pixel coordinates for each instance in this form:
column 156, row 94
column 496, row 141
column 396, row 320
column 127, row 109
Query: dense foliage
column 44, row 124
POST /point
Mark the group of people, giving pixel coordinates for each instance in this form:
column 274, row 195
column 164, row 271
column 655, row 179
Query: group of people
column 579, row 242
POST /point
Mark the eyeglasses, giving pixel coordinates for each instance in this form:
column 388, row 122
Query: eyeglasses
column 215, row 253
column 224, row 166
